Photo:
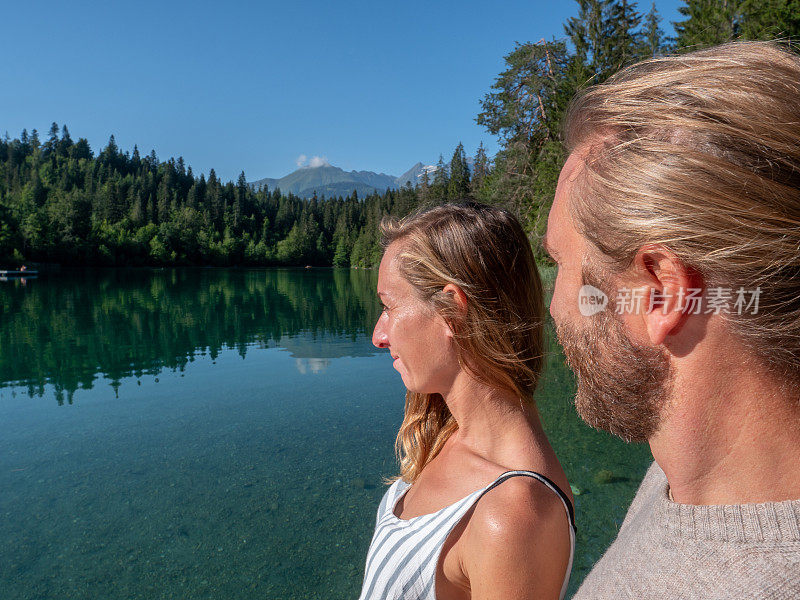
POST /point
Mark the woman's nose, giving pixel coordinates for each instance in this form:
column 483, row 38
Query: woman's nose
column 379, row 337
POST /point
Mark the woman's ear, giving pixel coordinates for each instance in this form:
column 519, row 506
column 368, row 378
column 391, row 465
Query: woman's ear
column 459, row 297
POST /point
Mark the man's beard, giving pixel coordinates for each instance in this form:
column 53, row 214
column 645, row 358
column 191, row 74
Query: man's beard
column 622, row 387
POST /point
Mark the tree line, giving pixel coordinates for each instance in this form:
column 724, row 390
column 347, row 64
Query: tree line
column 61, row 203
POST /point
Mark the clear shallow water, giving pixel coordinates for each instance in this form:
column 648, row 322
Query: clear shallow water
column 209, row 434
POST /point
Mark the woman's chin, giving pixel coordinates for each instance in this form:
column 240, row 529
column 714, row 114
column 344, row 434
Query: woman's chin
column 415, row 387
column 403, row 376
column 406, row 379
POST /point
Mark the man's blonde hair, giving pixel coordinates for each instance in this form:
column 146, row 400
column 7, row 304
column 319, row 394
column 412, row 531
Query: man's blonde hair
column 701, row 153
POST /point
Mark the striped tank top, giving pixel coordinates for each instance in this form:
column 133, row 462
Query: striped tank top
column 404, row 553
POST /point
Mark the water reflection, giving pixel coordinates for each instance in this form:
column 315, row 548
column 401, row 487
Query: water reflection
column 311, row 365
column 66, row 331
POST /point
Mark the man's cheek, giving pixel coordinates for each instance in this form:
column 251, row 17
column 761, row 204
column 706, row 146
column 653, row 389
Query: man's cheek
column 558, row 308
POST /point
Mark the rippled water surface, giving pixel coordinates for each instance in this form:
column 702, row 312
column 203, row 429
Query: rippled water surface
column 220, row 434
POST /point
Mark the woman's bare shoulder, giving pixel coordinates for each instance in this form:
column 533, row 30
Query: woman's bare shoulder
column 518, row 503
column 519, row 527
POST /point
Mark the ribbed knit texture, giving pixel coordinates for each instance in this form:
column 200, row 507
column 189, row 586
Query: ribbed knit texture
column 404, row 553
column 670, row 550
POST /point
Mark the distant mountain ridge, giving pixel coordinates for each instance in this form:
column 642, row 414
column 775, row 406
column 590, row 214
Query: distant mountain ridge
column 330, row 181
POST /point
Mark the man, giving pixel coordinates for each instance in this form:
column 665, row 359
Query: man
column 676, row 229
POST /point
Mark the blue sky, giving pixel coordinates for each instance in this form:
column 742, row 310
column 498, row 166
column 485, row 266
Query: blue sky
column 253, row 86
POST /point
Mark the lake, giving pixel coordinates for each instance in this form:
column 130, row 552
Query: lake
column 207, row 433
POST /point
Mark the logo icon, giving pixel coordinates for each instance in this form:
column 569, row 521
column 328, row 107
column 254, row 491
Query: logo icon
column 591, row 300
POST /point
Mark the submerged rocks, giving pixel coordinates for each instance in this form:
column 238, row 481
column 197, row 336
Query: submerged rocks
column 603, row 476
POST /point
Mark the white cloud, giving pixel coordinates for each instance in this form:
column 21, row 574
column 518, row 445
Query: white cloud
column 316, row 161
column 319, row 161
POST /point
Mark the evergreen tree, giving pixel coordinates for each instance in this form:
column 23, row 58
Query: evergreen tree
column 9, row 232
column 708, row 23
column 52, row 139
column 424, row 186
column 66, row 142
column 527, row 101
column 590, row 33
column 480, row 171
column 623, row 45
column 525, row 110
column 65, row 135
column 81, row 150
column 37, row 191
column 606, row 37
column 441, row 181
column 342, row 246
column 163, row 201
column 653, row 39
column 771, row 19
column 116, row 202
column 138, row 210
column 458, row 185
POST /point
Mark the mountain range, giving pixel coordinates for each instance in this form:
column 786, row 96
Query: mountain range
column 329, row 181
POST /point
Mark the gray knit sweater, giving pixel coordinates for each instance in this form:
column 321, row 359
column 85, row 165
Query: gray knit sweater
column 670, row 550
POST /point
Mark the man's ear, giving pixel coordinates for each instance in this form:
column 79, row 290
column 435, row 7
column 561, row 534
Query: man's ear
column 670, row 288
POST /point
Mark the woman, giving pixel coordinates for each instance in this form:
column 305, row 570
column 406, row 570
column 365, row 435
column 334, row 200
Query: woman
column 478, row 511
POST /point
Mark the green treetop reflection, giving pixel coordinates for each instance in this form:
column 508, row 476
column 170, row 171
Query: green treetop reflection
column 67, row 329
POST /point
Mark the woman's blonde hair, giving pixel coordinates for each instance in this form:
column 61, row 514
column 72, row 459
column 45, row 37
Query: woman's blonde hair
column 701, row 153
column 499, row 340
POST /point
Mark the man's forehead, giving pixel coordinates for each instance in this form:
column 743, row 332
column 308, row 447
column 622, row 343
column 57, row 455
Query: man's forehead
column 575, row 163
column 566, row 182
column 560, row 230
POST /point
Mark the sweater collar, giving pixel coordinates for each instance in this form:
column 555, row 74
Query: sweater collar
column 762, row 522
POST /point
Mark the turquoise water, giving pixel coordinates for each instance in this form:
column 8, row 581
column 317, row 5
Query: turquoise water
column 210, row 434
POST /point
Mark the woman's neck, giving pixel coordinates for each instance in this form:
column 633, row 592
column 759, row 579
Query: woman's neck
column 490, row 419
